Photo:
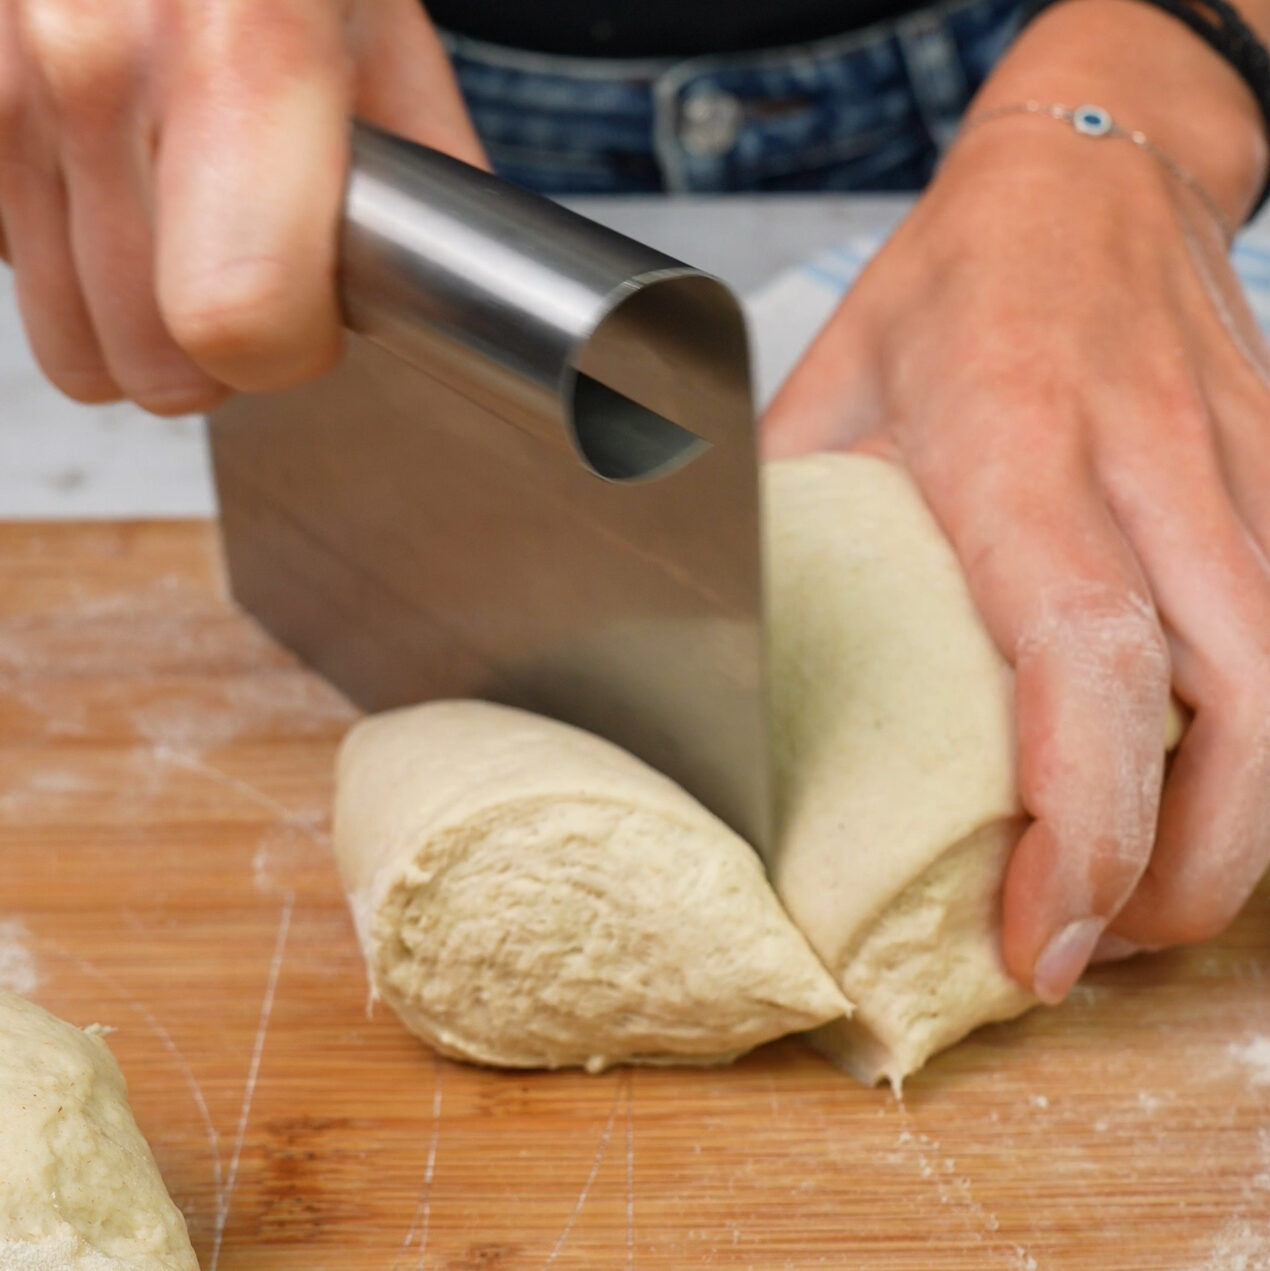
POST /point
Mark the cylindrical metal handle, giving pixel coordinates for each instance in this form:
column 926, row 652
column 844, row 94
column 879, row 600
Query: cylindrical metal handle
column 509, row 297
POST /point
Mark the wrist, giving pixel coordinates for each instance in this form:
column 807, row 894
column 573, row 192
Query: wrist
column 1050, row 179
column 1153, row 75
column 1093, row 123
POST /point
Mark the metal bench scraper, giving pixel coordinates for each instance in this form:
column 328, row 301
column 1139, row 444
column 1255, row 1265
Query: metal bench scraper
column 532, row 479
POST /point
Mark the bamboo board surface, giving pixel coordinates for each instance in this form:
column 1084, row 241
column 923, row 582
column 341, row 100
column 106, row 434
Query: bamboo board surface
column 164, row 868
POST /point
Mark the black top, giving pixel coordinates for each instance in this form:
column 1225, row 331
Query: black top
column 657, row 28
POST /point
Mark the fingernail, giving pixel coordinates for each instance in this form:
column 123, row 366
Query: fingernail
column 1064, row 958
column 185, row 399
column 1114, row 949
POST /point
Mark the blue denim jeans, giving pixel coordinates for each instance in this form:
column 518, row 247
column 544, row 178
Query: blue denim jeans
column 869, row 110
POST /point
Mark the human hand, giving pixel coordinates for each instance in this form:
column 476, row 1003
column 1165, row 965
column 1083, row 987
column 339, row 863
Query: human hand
column 1055, row 344
column 171, row 174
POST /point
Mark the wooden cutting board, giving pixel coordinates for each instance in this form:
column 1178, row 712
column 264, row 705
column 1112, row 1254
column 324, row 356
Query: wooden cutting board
column 164, row 796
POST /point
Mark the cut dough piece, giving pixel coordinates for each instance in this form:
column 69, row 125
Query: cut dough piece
column 79, row 1189
column 527, row 894
column 929, row 969
column 893, row 746
column 894, row 758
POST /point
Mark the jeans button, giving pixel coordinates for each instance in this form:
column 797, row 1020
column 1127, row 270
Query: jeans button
column 709, row 123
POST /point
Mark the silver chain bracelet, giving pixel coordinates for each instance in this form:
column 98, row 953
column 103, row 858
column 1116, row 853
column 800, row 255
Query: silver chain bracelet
column 1094, row 121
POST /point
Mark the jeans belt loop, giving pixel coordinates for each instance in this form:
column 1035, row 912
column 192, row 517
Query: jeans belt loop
column 935, row 72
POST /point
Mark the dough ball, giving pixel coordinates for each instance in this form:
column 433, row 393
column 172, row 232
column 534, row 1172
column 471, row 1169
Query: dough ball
column 894, row 758
column 79, row 1189
column 529, row 895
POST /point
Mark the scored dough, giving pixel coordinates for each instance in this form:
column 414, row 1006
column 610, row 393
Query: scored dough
column 79, row 1188
column 530, row 895
column 893, row 750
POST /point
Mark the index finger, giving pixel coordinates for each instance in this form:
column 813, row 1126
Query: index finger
column 250, row 174
column 1063, row 596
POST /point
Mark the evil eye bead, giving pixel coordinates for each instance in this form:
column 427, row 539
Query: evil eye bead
column 1091, row 121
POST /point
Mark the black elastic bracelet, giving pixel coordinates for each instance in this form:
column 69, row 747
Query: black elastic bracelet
column 1228, row 35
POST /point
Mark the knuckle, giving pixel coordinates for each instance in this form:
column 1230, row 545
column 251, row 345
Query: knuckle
column 1100, row 625
column 1168, row 405
column 263, row 46
column 1238, row 668
column 234, row 315
column 1205, row 912
column 1201, row 895
column 88, row 55
column 1247, row 672
column 241, row 327
column 1123, row 861
column 1093, row 673
column 1178, row 401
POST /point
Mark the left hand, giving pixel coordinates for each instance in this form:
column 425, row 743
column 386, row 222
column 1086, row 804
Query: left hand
column 1055, row 344
column 172, row 178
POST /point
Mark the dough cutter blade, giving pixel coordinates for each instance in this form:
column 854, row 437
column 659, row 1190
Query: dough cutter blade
column 532, row 478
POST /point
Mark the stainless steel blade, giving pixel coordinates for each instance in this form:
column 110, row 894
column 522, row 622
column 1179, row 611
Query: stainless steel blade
column 532, row 479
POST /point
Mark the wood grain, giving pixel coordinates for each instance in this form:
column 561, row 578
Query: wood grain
column 164, row 791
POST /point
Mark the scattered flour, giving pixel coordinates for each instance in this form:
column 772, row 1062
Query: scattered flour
column 32, row 791
column 292, row 701
column 956, row 1191
column 288, row 851
column 17, row 966
column 57, row 781
column 1241, row 1246
column 1254, row 1055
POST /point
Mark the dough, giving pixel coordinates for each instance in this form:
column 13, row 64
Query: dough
column 529, row 895
column 893, row 748
column 79, row 1189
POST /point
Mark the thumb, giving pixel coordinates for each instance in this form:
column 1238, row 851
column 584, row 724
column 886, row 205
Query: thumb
column 405, row 83
column 833, row 397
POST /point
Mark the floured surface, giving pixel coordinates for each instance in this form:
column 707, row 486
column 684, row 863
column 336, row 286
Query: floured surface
column 17, row 966
column 164, row 789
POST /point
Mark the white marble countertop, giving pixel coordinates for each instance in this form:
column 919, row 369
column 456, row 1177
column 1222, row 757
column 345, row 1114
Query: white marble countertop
column 59, row 460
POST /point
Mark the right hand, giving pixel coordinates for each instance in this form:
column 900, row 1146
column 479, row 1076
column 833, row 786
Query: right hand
column 172, row 173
